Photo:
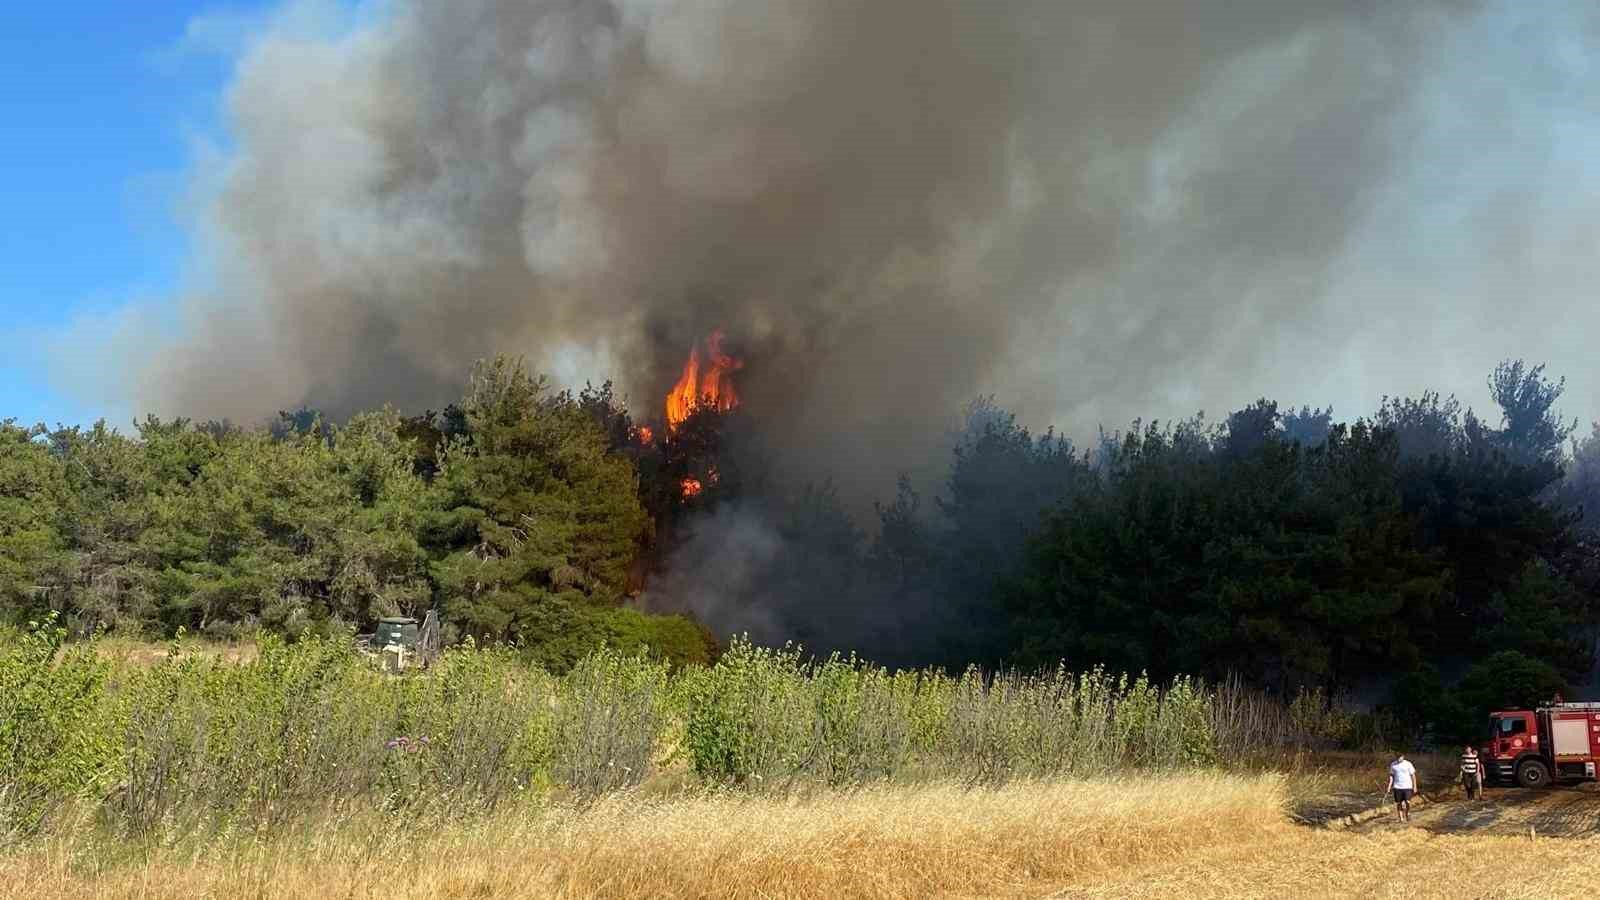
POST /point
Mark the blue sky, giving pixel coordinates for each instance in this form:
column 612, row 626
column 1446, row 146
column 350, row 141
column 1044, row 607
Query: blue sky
column 104, row 100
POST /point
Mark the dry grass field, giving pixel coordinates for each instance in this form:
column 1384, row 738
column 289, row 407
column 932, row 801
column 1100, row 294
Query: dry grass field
column 124, row 652
column 1195, row 835
column 265, row 771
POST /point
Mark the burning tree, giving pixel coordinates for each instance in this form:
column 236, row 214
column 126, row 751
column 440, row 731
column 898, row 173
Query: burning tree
column 704, row 383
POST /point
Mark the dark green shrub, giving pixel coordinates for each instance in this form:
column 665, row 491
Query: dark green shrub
column 1506, row 680
column 677, row 640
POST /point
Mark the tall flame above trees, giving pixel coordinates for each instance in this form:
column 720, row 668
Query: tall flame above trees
column 705, row 381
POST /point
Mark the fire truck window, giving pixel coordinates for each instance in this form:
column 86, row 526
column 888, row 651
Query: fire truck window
column 1509, row 727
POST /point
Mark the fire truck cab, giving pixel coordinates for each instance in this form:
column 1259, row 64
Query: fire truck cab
column 1537, row 748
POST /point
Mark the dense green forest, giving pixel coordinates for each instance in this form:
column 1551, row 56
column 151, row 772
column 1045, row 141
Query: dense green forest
column 511, row 513
column 1406, row 548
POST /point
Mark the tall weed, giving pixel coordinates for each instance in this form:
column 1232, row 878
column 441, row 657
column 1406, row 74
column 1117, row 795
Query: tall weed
column 197, row 746
column 750, row 715
column 53, row 745
column 607, row 721
column 486, row 720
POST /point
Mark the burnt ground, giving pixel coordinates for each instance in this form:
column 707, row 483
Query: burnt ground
column 1569, row 811
column 1342, row 789
column 1333, row 808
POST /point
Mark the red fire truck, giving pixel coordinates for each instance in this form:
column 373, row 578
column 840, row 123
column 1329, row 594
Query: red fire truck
column 1535, row 748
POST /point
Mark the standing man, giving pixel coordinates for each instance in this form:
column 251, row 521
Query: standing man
column 1403, row 782
column 1471, row 773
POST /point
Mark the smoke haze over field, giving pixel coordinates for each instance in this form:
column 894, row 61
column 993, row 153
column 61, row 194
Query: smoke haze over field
column 1095, row 210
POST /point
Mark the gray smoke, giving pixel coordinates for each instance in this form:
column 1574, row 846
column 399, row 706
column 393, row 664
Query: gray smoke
column 721, row 572
column 1095, row 209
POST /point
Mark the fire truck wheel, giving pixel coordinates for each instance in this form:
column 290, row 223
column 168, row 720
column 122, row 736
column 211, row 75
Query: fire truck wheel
column 1533, row 774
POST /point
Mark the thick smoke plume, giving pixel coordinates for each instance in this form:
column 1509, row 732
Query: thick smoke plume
column 1095, row 209
column 881, row 202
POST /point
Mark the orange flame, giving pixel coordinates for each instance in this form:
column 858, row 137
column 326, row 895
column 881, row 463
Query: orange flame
column 710, row 386
column 646, row 434
column 691, row 488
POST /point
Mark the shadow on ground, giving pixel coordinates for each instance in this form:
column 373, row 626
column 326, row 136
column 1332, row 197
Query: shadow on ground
column 1556, row 812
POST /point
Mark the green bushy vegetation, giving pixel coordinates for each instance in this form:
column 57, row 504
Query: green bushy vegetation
column 769, row 716
column 199, row 747
column 54, row 735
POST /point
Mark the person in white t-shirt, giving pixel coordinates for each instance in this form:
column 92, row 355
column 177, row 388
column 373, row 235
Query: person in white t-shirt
column 1403, row 782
